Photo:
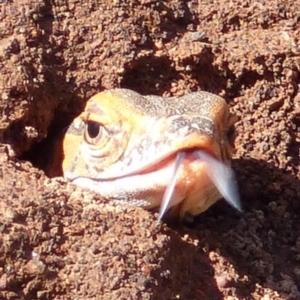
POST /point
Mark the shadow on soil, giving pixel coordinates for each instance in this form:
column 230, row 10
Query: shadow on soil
column 186, row 272
column 259, row 244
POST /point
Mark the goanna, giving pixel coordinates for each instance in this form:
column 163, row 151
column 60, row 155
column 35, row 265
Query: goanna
column 168, row 153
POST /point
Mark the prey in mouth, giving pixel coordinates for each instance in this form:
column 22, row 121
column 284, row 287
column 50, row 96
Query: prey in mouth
column 172, row 153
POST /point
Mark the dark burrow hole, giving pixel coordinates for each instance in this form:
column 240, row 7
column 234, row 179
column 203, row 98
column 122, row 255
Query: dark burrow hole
column 47, row 155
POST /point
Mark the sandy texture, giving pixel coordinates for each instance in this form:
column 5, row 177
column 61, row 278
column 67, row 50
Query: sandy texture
column 59, row 242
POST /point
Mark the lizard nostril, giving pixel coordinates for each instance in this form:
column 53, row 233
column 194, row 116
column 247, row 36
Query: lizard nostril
column 93, row 129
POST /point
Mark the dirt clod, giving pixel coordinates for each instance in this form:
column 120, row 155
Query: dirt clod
column 60, row 242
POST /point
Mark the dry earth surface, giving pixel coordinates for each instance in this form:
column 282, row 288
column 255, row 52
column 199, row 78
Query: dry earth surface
column 60, row 242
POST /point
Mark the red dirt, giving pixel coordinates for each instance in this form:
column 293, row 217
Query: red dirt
column 59, row 242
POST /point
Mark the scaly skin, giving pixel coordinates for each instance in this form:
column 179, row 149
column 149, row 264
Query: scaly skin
column 124, row 146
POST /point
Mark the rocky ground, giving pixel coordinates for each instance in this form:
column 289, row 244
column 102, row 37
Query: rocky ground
column 59, row 242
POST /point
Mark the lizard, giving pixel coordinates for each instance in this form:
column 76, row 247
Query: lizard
column 172, row 153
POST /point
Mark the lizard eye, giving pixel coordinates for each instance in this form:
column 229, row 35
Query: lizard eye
column 92, row 131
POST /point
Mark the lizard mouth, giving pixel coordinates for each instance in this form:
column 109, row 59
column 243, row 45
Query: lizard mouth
column 220, row 174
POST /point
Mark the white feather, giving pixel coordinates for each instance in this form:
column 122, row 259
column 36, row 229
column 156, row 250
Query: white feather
column 165, row 204
column 223, row 178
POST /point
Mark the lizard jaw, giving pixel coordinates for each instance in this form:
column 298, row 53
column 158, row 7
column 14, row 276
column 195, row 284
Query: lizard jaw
column 123, row 187
column 220, row 174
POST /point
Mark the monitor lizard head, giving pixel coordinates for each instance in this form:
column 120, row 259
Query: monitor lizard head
column 173, row 153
